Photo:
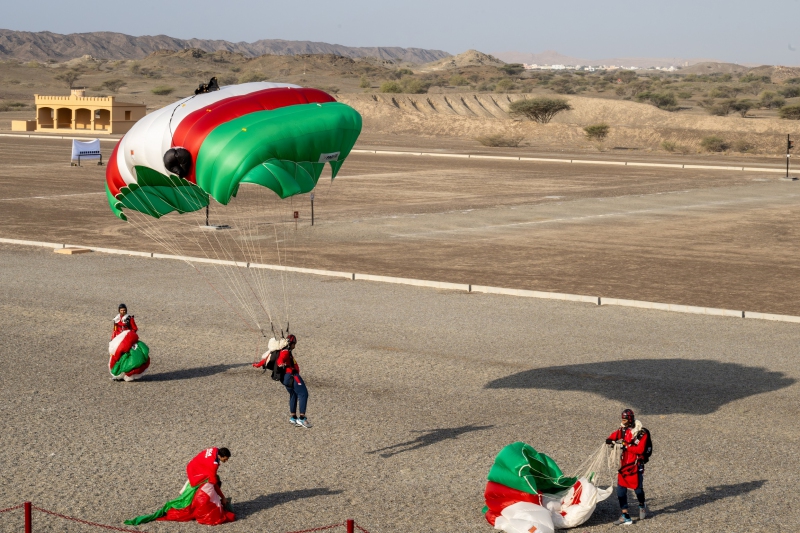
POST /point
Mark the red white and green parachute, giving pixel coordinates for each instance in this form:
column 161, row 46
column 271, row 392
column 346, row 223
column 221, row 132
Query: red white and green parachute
column 526, row 491
column 263, row 143
column 279, row 136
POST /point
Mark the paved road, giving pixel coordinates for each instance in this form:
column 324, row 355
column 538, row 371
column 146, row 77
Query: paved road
column 413, row 391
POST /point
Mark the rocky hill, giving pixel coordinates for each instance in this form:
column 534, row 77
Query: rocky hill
column 470, row 58
column 43, row 46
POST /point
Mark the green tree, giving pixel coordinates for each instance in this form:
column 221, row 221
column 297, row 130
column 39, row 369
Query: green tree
column 541, row 109
column 770, row 100
column 113, row 85
column 792, row 91
column 69, row 77
column 742, row 107
column 721, row 109
column 512, row 69
column 504, row 85
column 790, row 112
column 663, row 100
column 364, row 83
column 414, row 86
column 562, row 86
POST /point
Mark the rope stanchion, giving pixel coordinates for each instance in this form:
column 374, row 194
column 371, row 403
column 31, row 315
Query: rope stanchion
column 86, row 522
column 20, row 506
column 349, row 524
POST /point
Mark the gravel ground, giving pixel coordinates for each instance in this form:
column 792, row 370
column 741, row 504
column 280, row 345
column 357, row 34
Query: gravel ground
column 413, row 392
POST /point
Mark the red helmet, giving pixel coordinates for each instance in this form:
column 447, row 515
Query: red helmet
column 291, row 339
column 627, row 414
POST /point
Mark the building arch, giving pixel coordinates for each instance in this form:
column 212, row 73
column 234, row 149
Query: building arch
column 83, row 119
column 102, row 119
column 44, row 117
column 63, row 118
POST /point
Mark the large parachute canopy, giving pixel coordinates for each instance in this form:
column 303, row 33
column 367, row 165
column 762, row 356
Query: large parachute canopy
column 262, row 143
column 279, row 136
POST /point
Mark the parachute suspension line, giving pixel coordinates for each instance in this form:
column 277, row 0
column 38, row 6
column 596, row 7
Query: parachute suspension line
column 600, row 464
column 163, row 242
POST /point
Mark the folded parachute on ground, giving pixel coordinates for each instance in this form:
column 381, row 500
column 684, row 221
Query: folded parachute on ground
column 128, row 356
column 526, row 491
column 202, row 503
column 279, row 136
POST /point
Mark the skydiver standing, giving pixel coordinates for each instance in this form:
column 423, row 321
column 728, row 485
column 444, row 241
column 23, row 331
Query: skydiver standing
column 634, row 442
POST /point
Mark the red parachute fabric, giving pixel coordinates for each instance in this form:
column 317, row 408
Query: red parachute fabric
column 195, row 127
column 206, row 508
column 130, row 338
column 498, row 497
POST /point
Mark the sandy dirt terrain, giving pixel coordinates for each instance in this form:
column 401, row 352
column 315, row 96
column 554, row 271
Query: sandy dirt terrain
column 707, row 238
column 413, row 392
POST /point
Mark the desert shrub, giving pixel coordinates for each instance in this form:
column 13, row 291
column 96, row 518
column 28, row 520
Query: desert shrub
column 162, row 90
column 790, row 112
column 601, row 85
column 755, row 87
column 597, row 132
column 620, row 91
column 236, row 69
column 541, row 109
column 13, row 82
column 626, row 76
column 414, row 86
column 793, row 91
column 504, row 85
column 714, row 143
column 665, row 100
column 563, row 86
column 391, row 87
column 639, row 87
column 669, row 146
column 113, row 85
column 721, row 109
column 251, row 76
column 12, row 106
column 405, row 72
column 770, row 100
column 364, row 82
column 500, row 140
column 748, row 78
column 684, row 95
column 793, row 81
column 742, row 146
column 742, row 107
column 457, row 80
column 486, row 86
column 721, row 92
column 134, row 67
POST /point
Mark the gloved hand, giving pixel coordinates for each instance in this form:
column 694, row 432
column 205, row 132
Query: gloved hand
column 609, row 442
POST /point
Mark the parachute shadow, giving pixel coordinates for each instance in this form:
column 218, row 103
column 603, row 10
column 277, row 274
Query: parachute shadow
column 268, row 501
column 654, row 386
column 191, row 373
column 712, row 494
column 427, row 438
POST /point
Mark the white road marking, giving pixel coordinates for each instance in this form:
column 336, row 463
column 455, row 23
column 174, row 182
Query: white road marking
column 48, row 197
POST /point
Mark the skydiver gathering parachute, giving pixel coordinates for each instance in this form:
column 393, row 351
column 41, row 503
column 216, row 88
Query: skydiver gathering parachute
column 240, row 154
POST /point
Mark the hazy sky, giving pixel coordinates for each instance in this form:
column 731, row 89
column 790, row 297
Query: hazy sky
column 764, row 32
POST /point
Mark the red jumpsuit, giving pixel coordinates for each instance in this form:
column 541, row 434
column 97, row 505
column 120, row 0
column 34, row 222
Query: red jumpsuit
column 204, row 466
column 630, row 463
column 287, row 359
column 123, row 324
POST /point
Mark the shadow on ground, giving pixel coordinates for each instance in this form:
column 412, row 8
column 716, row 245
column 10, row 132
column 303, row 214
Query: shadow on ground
column 267, row 501
column 713, row 494
column 190, row 373
column 654, row 386
column 428, row 438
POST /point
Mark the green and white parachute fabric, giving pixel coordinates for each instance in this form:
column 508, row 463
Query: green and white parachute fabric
column 526, row 491
column 243, row 153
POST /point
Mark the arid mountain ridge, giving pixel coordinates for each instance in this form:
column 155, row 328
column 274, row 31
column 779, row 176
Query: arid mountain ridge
column 43, row 46
column 551, row 57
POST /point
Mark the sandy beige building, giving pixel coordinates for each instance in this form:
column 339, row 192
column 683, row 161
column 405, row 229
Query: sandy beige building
column 85, row 114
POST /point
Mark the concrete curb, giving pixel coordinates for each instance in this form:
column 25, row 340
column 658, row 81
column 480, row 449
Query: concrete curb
column 595, row 300
column 577, row 161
